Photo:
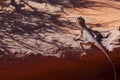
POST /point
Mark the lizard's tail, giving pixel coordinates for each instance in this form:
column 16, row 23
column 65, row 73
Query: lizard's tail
column 113, row 66
column 111, row 62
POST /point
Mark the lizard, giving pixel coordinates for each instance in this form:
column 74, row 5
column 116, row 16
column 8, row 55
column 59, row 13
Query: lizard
column 89, row 38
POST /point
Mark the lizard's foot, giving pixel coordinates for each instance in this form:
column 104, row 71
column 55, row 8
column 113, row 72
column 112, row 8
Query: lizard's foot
column 76, row 39
column 82, row 55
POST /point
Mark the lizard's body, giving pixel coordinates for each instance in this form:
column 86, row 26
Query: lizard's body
column 88, row 37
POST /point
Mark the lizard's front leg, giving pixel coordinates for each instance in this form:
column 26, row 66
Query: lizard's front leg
column 80, row 36
column 83, row 51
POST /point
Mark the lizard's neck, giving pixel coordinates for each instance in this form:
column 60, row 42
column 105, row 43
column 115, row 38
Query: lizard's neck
column 84, row 26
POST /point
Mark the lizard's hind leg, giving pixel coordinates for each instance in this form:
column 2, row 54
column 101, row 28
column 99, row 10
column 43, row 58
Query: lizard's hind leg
column 83, row 52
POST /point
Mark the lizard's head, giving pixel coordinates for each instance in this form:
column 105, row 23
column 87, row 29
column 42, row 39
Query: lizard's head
column 81, row 21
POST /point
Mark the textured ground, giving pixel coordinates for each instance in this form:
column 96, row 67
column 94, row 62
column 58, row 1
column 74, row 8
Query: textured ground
column 44, row 32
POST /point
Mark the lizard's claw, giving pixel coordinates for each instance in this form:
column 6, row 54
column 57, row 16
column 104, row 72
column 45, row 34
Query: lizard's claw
column 82, row 55
column 75, row 39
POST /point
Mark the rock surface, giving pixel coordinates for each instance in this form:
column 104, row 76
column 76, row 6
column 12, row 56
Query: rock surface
column 48, row 32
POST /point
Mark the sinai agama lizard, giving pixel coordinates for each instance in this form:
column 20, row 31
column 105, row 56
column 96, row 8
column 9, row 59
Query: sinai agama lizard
column 89, row 38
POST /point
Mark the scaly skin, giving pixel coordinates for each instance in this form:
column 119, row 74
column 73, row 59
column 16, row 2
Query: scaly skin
column 90, row 38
